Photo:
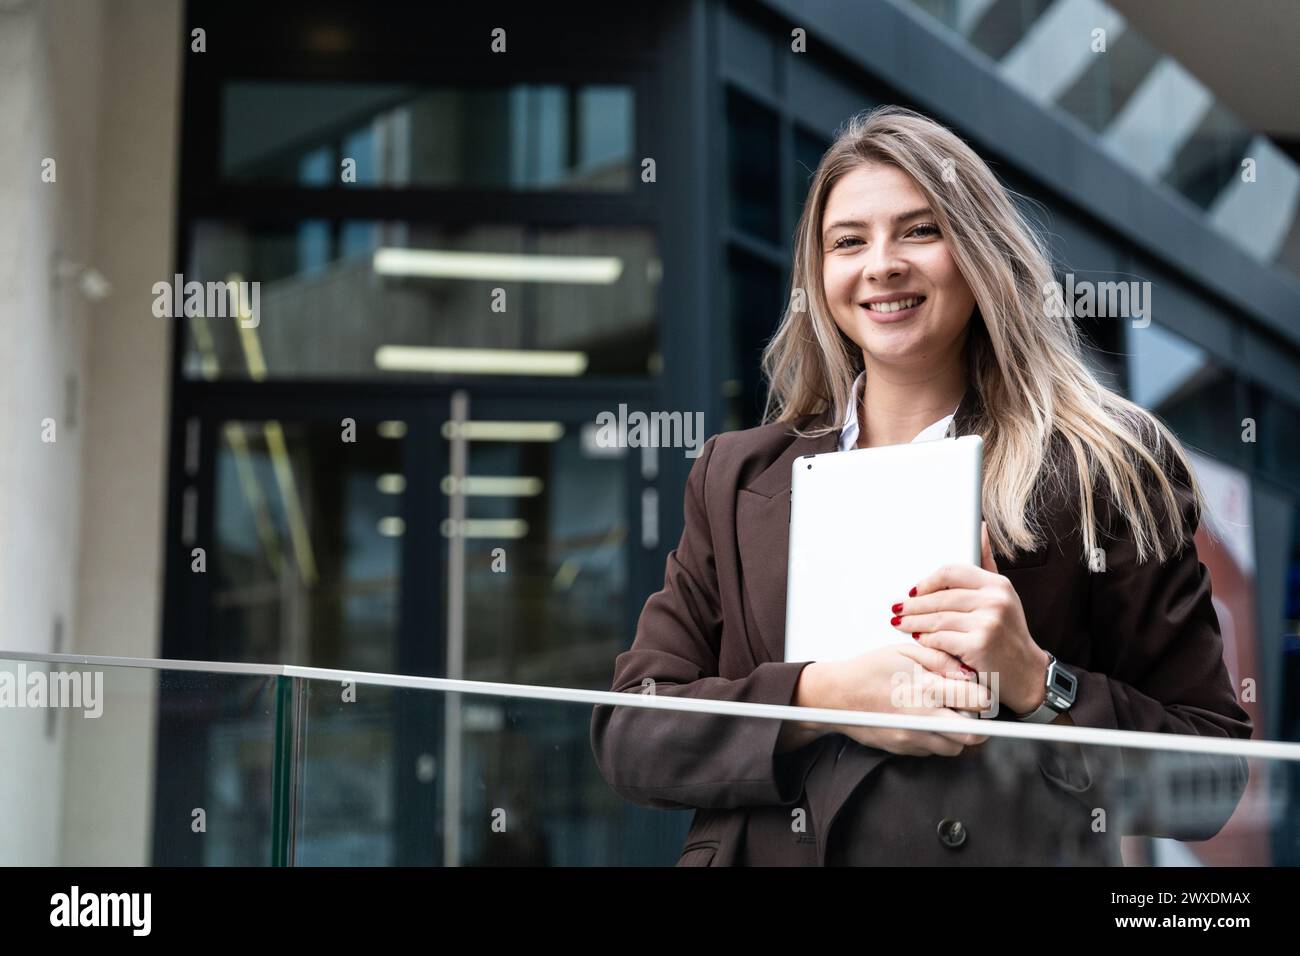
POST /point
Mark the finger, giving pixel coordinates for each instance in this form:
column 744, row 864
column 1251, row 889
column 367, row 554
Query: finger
column 953, row 576
column 986, row 550
column 953, row 693
column 959, row 694
column 932, row 659
column 956, row 644
column 951, row 599
column 928, row 623
column 966, row 740
column 914, row 743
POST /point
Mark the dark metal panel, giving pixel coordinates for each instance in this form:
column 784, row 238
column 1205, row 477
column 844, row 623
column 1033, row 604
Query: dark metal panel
column 749, row 55
column 1270, row 363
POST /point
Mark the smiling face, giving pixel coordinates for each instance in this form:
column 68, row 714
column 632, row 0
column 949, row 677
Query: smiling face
column 880, row 241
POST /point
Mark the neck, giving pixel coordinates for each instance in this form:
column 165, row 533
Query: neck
column 899, row 403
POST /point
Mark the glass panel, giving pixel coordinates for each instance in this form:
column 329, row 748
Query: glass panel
column 752, row 164
column 808, row 152
column 1108, row 82
column 1210, row 158
column 546, row 547
column 366, row 300
column 995, row 28
column 348, row 794
column 1278, row 438
column 135, row 766
column 756, row 302
column 523, row 788
column 1194, row 395
column 1004, row 801
column 308, row 524
column 176, row 767
column 516, row 783
column 524, row 137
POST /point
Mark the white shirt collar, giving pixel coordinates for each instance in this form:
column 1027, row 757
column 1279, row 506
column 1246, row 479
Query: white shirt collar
column 849, row 428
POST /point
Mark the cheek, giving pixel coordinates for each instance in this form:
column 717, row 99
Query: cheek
column 948, row 278
column 947, row 274
column 838, row 280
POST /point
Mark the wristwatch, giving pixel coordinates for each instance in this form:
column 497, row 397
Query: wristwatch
column 1061, row 688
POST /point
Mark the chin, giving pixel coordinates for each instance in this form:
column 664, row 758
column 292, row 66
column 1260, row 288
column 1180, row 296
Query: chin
column 895, row 348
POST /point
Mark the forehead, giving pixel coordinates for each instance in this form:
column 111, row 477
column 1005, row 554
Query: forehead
column 870, row 191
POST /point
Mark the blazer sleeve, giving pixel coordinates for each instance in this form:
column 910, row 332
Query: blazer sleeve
column 1157, row 639
column 673, row 760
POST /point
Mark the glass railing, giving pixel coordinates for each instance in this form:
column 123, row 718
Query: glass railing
column 133, row 765
column 111, row 761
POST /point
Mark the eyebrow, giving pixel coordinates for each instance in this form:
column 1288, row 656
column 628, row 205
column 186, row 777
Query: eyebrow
column 858, row 223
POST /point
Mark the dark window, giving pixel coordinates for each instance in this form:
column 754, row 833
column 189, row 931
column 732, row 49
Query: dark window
column 756, row 307
column 525, row 137
column 752, row 163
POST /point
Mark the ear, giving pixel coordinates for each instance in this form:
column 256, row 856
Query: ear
column 986, row 551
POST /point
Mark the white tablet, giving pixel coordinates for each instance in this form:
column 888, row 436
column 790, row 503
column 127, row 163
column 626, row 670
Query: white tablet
column 865, row 525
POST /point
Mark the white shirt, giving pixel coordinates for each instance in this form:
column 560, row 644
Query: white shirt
column 849, row 430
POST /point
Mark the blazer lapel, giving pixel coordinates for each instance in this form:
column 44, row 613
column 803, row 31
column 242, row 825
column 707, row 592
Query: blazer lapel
column 763, row 538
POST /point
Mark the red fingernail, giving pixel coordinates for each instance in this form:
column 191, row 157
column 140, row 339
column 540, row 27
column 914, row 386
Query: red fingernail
column 912, row 593
column 916, row 636
column 968, row 670
column 897, row 608
column 895, row 620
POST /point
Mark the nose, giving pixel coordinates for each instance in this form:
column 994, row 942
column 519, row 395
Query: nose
column 883, row 262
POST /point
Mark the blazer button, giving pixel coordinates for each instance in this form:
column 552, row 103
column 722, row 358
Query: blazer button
column 952, row 833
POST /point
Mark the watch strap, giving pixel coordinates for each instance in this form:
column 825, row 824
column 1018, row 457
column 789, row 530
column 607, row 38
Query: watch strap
column 1045, row 712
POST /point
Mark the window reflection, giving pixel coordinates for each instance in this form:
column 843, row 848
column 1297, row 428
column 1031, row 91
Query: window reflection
column 1192, row 393
column 524, row 137
column 362, row 299
column 545, row 551
column 306, row 567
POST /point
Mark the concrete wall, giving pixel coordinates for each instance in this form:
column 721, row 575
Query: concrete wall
column 94, row 85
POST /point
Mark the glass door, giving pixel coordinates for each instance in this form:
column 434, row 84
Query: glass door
column 488, row 534
column 544, row 530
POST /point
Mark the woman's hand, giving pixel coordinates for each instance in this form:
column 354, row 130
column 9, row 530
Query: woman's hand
column 975, row 615
column 899, row 679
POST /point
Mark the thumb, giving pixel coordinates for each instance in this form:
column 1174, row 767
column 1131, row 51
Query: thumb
column 986, row 551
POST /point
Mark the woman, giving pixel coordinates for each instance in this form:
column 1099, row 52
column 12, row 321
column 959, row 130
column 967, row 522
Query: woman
column 918, row 311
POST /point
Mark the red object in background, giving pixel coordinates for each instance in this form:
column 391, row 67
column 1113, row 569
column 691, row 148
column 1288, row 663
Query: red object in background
column 1225, row 544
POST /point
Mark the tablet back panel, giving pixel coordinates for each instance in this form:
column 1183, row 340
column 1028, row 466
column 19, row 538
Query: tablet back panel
column 865, row 526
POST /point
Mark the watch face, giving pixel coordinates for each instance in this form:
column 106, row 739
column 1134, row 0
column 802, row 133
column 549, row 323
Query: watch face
column 1063, row 682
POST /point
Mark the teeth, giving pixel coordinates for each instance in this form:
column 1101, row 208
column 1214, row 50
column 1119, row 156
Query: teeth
column 894, row 306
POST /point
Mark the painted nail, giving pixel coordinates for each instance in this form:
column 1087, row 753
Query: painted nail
column 968, row 670
column 895, row 620
column 897, row 608
column 912, row 593
column 916, row 636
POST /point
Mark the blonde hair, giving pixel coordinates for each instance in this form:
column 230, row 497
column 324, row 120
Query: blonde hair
column 1044, row 417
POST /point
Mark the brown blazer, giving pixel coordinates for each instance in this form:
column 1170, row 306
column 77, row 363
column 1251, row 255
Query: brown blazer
column 1143, row 640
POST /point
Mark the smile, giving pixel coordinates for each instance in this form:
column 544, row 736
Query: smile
column 891, row 311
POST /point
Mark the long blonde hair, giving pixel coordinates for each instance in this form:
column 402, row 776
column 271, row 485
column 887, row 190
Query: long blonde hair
column 1036, row 396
